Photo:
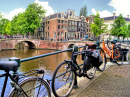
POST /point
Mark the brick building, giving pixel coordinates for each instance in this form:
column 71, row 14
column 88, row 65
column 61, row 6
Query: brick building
column 65, row 26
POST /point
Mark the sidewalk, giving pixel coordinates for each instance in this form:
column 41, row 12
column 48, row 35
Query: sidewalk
column 113, row 82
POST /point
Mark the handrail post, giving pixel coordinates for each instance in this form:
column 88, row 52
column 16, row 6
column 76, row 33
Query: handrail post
column 75, row 49
column 18, row 61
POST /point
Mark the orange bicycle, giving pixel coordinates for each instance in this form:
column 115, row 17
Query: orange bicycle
column 115, row 52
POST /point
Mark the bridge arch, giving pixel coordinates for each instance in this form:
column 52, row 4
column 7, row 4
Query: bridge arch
column 30, row 44
column 70, row 46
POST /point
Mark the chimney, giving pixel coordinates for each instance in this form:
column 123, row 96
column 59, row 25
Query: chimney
column 114, row 14
column 127, row 16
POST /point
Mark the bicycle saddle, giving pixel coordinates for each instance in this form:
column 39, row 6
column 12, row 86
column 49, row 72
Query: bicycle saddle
column 9, row 66
column 91, row 46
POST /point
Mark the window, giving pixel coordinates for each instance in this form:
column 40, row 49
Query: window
column 79, row 29
column 87, row 30
column 84, row 30
column 72, row 22
column 65, row 22
column 72, row 28
column 62, row 27
column 48, row 34
column 79, row 23
column 62, row 21
column 75, row 23
column 58, row 34
column 61, row 34
column 48, row 22
column 54, row 34
column 69, row 27
column 69, row 22
column 75, row 28
column 68, row 34
column 58, row 26
column 65, row 27
column 58, row 21
column 48, row 27
column 84, row 24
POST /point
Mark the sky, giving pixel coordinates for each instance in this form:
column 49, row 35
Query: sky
column 106, row 8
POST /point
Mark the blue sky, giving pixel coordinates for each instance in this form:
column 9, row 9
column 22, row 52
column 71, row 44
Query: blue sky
column 9, row 8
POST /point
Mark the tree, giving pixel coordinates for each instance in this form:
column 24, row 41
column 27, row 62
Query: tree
column 83, row 11
column 4, row 27
column 0, row 16
column 3, row 23
column 119, row 27
column 33, row 15
column 29, row 20
column 98, row 26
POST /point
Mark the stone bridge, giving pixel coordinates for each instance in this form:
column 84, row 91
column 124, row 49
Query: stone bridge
column 39, row 44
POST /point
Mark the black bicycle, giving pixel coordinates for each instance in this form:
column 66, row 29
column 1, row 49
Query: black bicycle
column 64, row 76
column 26, row 84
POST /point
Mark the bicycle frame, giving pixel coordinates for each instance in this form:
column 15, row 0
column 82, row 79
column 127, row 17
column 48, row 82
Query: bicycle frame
column 6, row 75
column 110, row 53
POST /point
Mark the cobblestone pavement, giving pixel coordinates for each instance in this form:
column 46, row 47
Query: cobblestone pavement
column 113, row 82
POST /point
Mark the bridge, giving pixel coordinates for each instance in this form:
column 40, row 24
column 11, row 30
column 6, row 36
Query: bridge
column 40, row 44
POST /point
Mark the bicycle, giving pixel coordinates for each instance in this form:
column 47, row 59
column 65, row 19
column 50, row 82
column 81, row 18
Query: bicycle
column 65, row 74
column 115, row 52
column 24, row 85
column 102, row 54
column 128, row 56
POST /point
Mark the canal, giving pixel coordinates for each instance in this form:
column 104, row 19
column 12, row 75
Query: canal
column 48, row 63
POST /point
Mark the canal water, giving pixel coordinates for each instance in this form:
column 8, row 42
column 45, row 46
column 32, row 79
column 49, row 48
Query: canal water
column 48, row 63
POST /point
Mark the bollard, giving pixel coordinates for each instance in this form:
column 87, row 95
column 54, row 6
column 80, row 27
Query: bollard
column 18, row 61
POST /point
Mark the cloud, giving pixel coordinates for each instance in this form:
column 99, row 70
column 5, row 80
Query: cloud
column 103, row 13
column 121, row 7
column 45, row 5
column 12, row 13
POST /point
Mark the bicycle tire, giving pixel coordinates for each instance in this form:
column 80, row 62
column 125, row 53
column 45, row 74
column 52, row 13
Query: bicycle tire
column 29, row 84
column 63, row 80
column 128, row 56
column 104, row 59
column 108, row 45
column 119, row 60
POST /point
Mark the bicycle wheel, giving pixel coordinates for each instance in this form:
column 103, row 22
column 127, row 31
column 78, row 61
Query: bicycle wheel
column 118, row 56
column 33, row 87
column 63, row 80
column 104, row 60
column 91, row 72
column 128, row 57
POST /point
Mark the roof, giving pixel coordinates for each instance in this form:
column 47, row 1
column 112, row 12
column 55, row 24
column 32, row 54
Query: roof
column 113, row 18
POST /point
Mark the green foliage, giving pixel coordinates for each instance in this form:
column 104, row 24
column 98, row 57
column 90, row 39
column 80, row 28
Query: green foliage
column 3, row 24
column 119, row 27
column 98, row 26
column 83, row 11
column 27, row 21
column 33, row 16
column 0, row 16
